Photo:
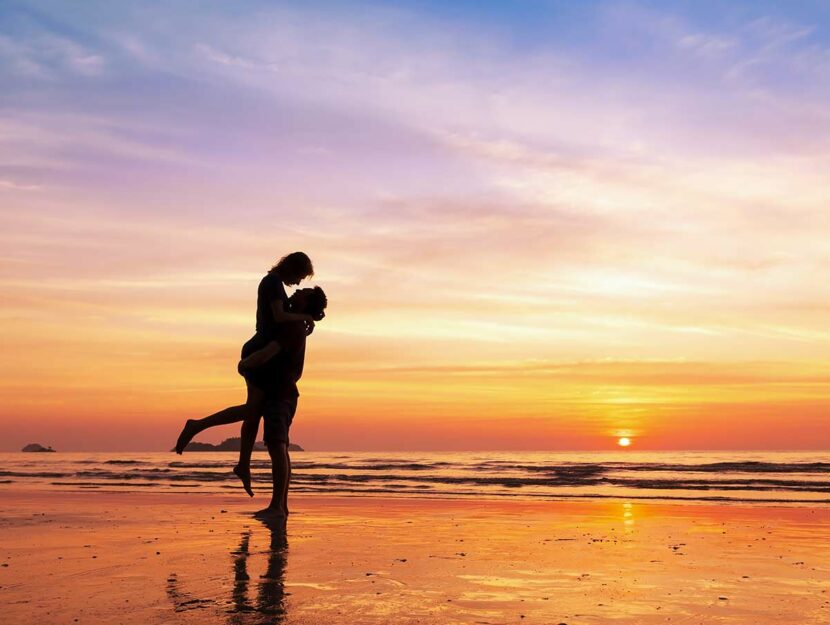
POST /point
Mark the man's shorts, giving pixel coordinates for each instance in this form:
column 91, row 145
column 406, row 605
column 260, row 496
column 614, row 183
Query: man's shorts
column 278, row 415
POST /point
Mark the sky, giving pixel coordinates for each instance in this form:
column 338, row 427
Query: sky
column 540, row 225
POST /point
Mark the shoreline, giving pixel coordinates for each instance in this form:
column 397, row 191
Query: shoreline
column 17, row 488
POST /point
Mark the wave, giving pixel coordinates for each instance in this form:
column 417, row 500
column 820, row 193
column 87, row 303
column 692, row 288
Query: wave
column 708, row 467
column 565, row 467
column 553, row 476
column 560, row 479
column 737, row 467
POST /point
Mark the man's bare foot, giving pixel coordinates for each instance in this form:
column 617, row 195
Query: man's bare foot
column 270, row 514
column 188, row 432
column 244, row 475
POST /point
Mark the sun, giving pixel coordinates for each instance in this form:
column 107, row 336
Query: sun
column 624, row 441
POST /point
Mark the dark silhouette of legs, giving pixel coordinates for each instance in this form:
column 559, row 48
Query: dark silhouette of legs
column 279, row 473
column 241, row 578
column 271, row 595
column 247, row 432
column 251, row 408
column 269, row 605
column 287, row 481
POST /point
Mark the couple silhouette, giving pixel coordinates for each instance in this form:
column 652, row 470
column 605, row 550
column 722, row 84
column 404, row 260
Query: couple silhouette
column 272, row 364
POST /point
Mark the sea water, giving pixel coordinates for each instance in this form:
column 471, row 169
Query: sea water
column 762, row 477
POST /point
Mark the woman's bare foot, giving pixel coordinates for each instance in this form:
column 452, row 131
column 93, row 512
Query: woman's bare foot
column 244, row 475
column 188, row 432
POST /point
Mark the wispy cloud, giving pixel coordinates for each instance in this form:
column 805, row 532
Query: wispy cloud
column 11, row 184
column 48, row 56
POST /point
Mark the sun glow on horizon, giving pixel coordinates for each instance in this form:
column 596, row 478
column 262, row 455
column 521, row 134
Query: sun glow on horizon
column 624, row 441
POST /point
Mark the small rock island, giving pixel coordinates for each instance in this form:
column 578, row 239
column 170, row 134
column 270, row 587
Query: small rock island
column 232, row 444
column 36, row 448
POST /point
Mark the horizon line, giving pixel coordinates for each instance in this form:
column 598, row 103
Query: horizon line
column 622, row 450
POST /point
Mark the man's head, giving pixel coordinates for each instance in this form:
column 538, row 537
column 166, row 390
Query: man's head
column 310, row 302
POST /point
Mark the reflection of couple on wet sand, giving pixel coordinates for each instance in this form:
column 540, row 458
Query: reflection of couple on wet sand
column 272, row 363
column 268, row 606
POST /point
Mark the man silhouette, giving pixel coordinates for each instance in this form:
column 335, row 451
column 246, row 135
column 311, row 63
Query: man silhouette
column 279, row 377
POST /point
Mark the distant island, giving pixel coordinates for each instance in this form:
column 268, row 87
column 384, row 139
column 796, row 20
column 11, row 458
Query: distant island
column 36, row 448
column 232, row 444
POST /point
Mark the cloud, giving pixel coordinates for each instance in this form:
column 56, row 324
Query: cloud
column 59, row 140
column 49, row 56
column 10, row 184
column 482, row 203
column 17, row 59
column 222, row 58
column 71, row 55
column 708, row 46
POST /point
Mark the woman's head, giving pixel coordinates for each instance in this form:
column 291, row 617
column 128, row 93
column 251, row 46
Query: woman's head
column 311, row 302
column 294, row 268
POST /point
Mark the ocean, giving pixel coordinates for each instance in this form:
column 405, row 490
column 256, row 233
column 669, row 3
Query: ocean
column 760, row 477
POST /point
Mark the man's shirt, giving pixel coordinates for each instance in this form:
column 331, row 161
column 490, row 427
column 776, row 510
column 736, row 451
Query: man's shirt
column 285, row 369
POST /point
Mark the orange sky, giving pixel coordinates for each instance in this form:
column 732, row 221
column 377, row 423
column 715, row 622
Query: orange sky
column 544, row 246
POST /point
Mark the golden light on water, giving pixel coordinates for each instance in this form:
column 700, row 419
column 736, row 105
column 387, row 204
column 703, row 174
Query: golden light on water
column 624, row 441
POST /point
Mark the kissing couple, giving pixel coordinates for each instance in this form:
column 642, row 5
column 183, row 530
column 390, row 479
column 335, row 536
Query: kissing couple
column 272, row 364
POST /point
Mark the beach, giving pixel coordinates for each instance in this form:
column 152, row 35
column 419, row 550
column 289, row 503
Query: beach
column 128, row 557
column 521, row 307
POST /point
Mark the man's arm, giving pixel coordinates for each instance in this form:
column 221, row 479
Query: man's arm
column 281, row 315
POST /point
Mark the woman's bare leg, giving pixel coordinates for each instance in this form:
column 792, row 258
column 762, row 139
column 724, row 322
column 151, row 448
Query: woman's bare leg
column 234, row 414
column 259, row 357
column 247, row 434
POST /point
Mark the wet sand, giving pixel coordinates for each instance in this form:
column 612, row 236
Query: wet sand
column 140, row 558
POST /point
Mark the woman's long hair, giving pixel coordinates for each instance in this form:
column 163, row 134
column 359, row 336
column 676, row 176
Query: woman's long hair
column 294, row 264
